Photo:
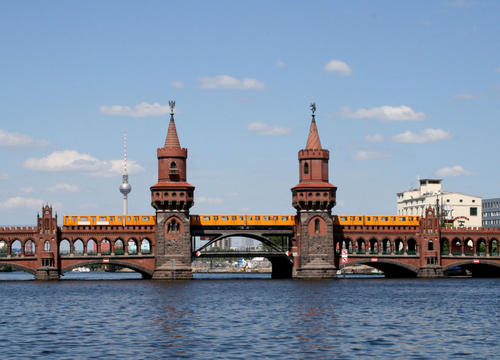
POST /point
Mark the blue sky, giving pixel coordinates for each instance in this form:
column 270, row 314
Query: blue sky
column 403, row 90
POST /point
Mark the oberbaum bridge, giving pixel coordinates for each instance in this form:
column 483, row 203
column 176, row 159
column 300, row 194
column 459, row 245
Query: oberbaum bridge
column 312, row 244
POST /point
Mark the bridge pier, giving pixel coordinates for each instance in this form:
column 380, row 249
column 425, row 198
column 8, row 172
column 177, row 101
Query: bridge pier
column 47, row 274
column 430, row 271
column 316, row 269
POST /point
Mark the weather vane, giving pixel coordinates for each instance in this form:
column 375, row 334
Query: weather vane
column 313, row 108
column 171, row 103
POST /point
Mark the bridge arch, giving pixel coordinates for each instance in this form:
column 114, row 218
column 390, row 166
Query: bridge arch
column 281, row 263
column 391, row 268
column 485, row 268
column 257, row 237
column 19, row 267
column 145, row 272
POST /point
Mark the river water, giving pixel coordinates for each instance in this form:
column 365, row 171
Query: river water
column 232, row 317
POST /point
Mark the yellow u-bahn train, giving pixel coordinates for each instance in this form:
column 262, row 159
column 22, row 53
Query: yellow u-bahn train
column 289, row 220
column 108, row 220
column 240, row 220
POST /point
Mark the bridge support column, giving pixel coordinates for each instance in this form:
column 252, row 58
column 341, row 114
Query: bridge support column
column 47, row 273
column 316, row 249
column 430, row 271
column 173, row 247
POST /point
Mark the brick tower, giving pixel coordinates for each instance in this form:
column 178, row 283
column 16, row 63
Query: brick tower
column 314, row 198
column 172, row 197
column 46, row 247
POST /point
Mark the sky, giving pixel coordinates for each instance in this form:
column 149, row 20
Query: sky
column 404, row 90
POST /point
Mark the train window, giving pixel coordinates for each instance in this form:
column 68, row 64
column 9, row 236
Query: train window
column 360, row 218
column 136, row 218
column 352, row 218
column 84, row 218
column 368, row 218
column 128, row 218
column 74, row 218
column 401, row 219
column 241, row 218
column 393, row 218
column 224, row 218
column 119, row 218
column 145, row 218
column 266, row 218
column 92, row 218
column 102, row 218
column 234, row 217
column 343, row 218
column 111, row 218
column 250, row 218
column 284, row 218
column 275, row 218
column 257, row 218
column 216, row 218
column 384, row 218
column 206, row 218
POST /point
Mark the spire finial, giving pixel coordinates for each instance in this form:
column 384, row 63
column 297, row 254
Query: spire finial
column 313, row 108
column 171, row 103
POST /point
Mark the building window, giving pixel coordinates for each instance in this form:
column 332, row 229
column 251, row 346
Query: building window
column 473, row 211
column 316, row 226
column 306, row 168
column 473, row 201
column 461, row 200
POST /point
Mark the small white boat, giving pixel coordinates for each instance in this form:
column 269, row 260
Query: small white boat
column 81, row 269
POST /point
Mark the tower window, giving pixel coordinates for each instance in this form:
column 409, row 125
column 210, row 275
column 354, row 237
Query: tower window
column 306, row 168
column 173, row 165
column 316, row 226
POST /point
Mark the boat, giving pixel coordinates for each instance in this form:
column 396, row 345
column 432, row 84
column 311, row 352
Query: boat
column 81, row 269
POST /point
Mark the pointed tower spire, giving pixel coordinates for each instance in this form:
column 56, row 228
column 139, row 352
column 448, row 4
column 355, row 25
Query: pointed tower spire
column 313, row 141
column 172, row 140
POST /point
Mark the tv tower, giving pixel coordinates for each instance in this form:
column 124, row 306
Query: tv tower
column 125, row 187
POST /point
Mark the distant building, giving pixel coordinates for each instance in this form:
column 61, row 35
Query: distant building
column 457, row 209
column 491, row 212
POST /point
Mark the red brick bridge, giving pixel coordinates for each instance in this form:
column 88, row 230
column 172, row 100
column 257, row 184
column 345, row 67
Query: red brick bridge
column 311, row 247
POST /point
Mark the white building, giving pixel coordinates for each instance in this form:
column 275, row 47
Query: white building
column 461, row 209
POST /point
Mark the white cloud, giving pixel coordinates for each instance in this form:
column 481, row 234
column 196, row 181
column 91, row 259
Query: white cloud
column 467, row 96
column 425, row 136
column 208, row 200
column 28, row 190
column 375, row 138
column 63, row 188
column 178, row 84
column 338, row 67
column 384, row 113
column 72, row 160
column 4, row 176
column 456, row 170
column 19, row 202
column 143, row 109
column 267, row 130
column 8, row 139
column 229, row 82
column 370, row 155
column 280, row 63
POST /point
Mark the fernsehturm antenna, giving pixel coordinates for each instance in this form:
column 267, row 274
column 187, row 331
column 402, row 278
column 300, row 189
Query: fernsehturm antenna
column 125, row 187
